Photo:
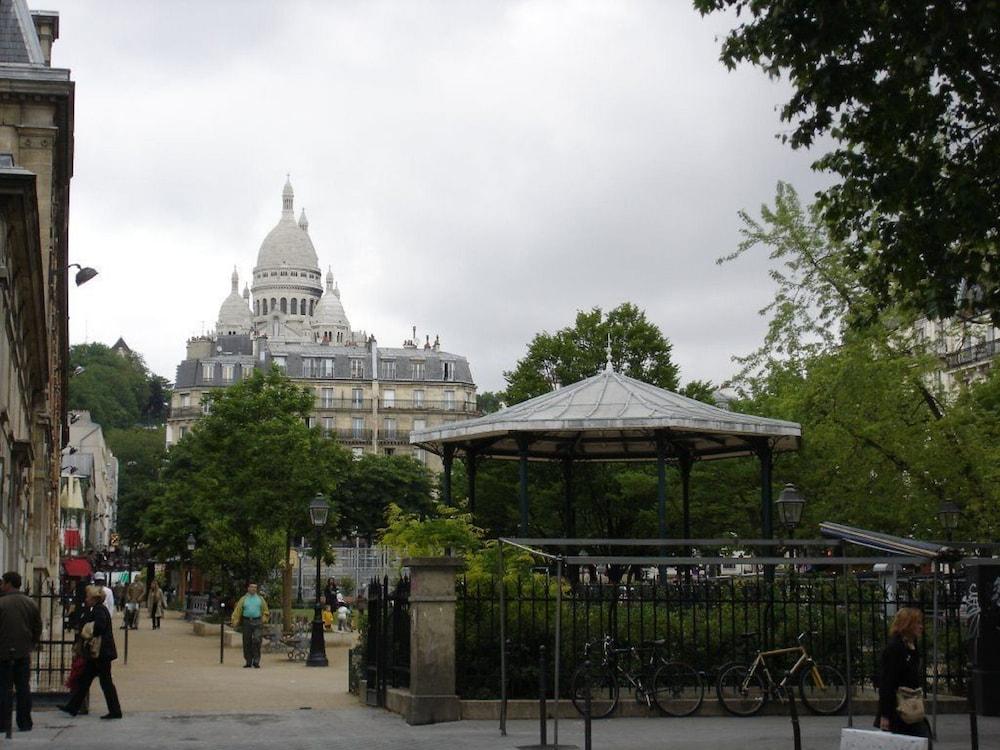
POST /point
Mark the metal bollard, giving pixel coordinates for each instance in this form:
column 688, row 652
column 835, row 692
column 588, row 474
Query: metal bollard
column 973, row 719
column 793, row 709
column 542, row 688
column 586, row 707
column 222, row 631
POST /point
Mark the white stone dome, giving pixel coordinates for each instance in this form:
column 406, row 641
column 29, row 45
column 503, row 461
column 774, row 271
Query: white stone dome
column 288, row 244
column 329, row 312
column 234, row 315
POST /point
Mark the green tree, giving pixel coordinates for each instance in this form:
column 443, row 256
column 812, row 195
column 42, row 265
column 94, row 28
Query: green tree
column 638, row 349
column 372, row 483
column 489, row 402
column 882, row 449
column 118, row 390
column 909, row 94
column 140, row 452
column 242, row 479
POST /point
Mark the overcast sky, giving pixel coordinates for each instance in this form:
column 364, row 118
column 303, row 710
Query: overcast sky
column 480, row 170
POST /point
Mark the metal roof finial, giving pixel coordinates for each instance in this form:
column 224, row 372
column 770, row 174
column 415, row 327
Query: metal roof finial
column 608, row 367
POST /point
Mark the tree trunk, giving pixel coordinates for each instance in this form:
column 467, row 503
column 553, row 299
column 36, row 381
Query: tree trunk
column 286, row 587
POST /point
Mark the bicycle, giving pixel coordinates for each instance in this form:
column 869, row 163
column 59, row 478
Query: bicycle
column 743, row 691
column 674, row 687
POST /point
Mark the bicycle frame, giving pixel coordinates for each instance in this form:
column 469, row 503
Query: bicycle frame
column 761, row 662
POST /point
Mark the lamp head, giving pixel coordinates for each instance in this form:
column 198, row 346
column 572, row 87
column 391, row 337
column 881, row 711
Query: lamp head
column 949, row 515
column 790, row 503
column 319, row 509
column 191, row 542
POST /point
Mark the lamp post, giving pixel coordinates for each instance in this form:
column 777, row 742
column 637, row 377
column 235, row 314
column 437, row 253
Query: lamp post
column 949, row 515
column 191, row 544
column 790, row 503
column 319, row 509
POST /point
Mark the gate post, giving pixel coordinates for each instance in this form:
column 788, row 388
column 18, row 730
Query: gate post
column 432, row 640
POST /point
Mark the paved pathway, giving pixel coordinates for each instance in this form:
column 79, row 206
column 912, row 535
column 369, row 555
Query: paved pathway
column 372, row 729
column 175, row 694
column 172, row 670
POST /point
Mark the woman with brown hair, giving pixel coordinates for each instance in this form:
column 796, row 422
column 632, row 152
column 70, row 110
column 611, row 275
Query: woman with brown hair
column 900, row 673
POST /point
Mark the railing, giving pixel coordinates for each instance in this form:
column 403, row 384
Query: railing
column 186, row 412
column 50, row 664
column 396, row 437
column 703, row 623
column 972, row 354
column 398, row 404
column 344, row 404
column 351, row 435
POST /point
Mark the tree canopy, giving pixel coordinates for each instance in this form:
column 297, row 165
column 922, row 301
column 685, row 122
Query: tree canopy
column 909, row 93
column 117, row 389
column 241, row 481
column 638, row 349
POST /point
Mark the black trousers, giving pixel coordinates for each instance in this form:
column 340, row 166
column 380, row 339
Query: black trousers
column 253, row 632
column 100, row 669
column 18, row 673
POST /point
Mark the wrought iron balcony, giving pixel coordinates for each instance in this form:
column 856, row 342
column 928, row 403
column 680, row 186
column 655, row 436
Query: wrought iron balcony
column 971, row 355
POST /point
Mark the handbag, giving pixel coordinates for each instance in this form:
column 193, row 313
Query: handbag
column 910, row 704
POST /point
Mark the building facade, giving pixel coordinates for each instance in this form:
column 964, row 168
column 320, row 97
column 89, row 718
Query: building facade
column 36, row 160
column 367, row 397
column 967, row 350
column 88, row 489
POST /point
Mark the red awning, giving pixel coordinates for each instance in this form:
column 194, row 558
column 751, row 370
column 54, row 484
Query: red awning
column 77, row 567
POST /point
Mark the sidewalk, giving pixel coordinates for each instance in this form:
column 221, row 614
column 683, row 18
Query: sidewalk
column 171, row 669
column 374, row 729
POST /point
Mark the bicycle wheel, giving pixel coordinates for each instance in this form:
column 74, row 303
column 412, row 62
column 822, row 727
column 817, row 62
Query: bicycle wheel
column 823, row 689
column 740, row 692
column 603, row 691
column 678, row 689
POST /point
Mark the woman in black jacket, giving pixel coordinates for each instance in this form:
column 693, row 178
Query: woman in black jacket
column 901, row 668
column 98, row 617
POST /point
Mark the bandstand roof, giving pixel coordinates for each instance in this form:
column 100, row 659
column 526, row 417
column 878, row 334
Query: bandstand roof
column 612, row 417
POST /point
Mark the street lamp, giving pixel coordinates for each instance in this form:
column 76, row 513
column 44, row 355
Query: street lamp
column 319, row 509
column 790, row 503
column 949, row 515
column 191, row 544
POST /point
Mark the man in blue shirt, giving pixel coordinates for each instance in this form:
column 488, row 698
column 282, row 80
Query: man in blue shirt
column 251, row 612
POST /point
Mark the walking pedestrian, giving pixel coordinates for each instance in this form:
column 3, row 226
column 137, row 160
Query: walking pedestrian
column 330, row 593
column 250, row 612
column 98, row 644
column 20, row 633
column 135, row 592
column 155, row 604
column 107, row 594
column 901, row 683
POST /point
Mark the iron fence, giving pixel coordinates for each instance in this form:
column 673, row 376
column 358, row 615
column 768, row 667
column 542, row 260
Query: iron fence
column 706, row 623
column 50, row 664
column 386, row 637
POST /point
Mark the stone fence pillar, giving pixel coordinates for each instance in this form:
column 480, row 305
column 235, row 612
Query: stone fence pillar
column 432, row 639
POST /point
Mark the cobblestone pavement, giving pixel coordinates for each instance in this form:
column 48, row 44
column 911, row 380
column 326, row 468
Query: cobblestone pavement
column 375, row 729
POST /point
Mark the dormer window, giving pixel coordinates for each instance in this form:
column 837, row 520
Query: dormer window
column 357, row 368
column 207, row 370
column 388, row 369
column 449, row 370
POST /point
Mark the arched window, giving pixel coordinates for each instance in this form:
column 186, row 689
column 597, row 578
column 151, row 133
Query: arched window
column 274, row 305
column 312, row 306
column 302, row 306
column 256, row 307
column 263, row 307
column 295, row 306
column 284, row 305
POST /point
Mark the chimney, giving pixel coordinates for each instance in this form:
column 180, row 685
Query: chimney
column 437, row 343
column 427, row 343
column 47, row 27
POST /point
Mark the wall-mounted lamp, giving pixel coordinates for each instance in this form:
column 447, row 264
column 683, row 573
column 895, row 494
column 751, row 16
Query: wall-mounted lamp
column 85, row 274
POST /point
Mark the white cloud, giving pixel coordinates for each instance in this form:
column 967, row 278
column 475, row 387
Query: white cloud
column 480, row 170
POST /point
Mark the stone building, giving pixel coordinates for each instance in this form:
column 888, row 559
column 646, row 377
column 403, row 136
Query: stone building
column 36, row 163
column 968, row 350
column 88, row 488
column 366, row 396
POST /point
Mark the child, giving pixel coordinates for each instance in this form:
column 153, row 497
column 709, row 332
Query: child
column 327, row 618
column 342, row 614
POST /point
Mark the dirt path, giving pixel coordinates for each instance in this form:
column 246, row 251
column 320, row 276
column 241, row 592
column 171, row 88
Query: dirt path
column 171, row 669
